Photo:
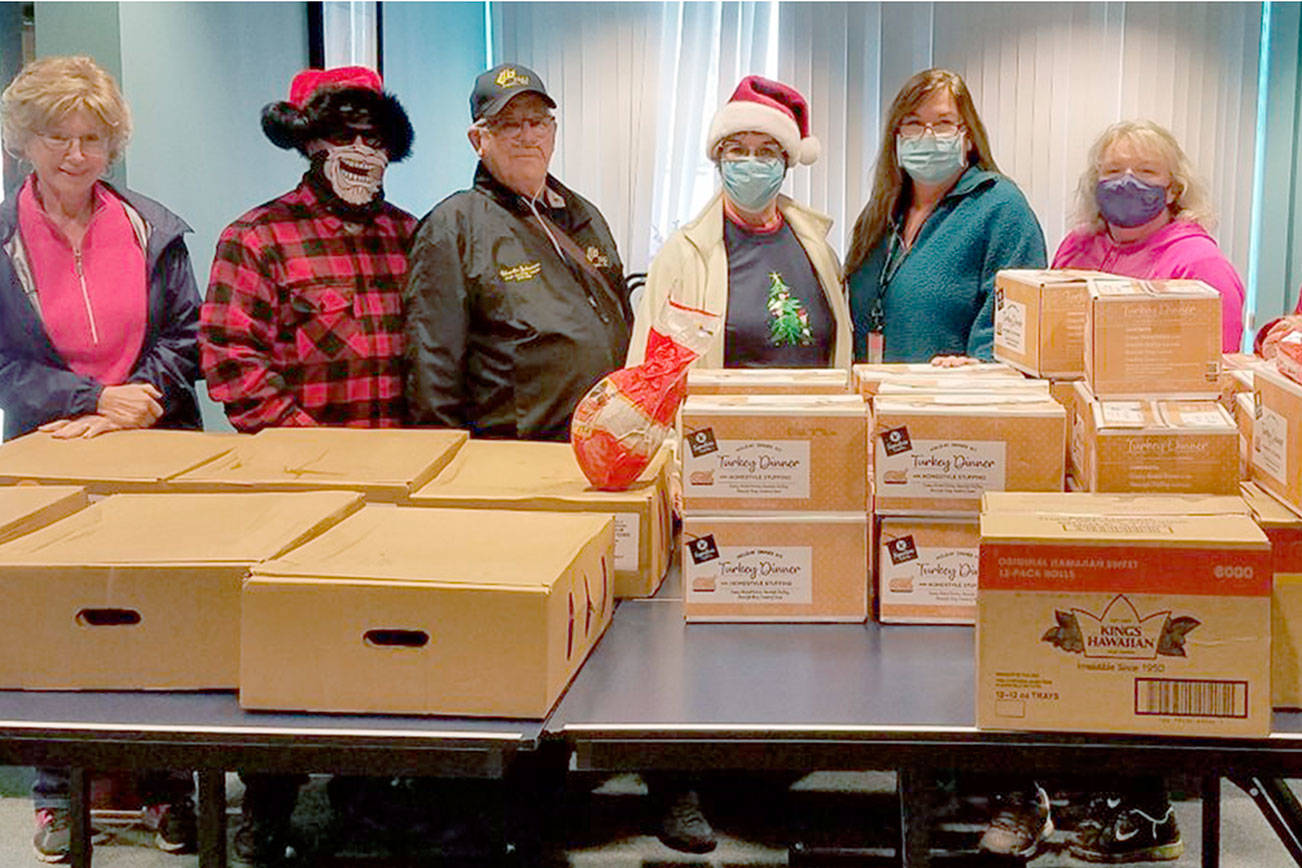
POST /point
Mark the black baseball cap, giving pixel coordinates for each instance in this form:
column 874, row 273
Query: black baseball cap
column 496, row 87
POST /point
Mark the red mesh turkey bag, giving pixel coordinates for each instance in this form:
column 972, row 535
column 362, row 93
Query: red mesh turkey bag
column 1288, row 356
column 619, row 425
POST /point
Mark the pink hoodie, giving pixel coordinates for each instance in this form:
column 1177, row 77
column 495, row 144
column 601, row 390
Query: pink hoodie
column 1181, row 248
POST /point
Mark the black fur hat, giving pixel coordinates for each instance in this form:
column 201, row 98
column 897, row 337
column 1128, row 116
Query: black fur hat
column 324, row 101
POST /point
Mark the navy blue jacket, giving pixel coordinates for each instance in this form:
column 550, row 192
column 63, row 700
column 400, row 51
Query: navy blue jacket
column 36, row 384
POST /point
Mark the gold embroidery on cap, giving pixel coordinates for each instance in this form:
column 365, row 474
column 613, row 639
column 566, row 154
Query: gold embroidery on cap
column 510, row 78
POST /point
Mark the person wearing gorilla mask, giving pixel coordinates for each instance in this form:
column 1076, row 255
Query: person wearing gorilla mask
column 303, row 325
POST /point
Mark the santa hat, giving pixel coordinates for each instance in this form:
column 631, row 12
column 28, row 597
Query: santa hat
column 323, row 101
column 762, row 105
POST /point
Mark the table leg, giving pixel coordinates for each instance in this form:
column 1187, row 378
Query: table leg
column 79, row 851
column 1211, row 821
column 212, row 818
column 915, row 819
column 1280, row 807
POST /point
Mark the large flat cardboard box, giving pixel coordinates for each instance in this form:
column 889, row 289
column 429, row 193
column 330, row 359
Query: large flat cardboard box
column 1277, row 437
column 790, row 453
column 1283, row 528
column 493, row 619
column 1040, row 319
column 776, row 567
column 25, row 508
column 142, row 591
column 768, row 381
column 1142, row 624
column 386, row 464
column 121, row 461
column 927, row 570
column 938, row 455
column 513, row 474
column 1175, row 446
column 867, row 378
column 1153, row 338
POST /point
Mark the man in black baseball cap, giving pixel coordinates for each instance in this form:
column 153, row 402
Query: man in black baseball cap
column 499, row 85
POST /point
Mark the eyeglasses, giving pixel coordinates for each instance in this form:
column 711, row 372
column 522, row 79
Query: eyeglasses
column 911, row 129
column 370, row 138
column 733, row 151
column 514, row 127
column 91, row 143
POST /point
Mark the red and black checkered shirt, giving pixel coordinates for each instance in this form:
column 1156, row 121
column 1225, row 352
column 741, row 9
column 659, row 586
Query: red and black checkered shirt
column 303, row 321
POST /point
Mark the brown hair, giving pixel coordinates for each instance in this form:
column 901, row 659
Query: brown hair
column 50, row 89
column 891, row 186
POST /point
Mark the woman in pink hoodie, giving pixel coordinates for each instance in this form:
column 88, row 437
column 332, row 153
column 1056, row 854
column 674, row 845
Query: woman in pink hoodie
column 1142, row 213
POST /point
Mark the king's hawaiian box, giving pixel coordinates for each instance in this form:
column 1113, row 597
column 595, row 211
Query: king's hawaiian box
column 1123, row 621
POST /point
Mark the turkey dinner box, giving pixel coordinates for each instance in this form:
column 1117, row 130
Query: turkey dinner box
column 1283, row 528
column 121, row 461
column 142, row 591
column 1124, row 620
column 25, row 508
column 792, row 453
column 512, row 474
column 429, row 611
column 868, row 378
column 384, row 464
column 938, row 454
column 1174, row 446
column 1153, row 338
column 927, row 570
column 1277, row 437
column 776, row 567
column 1040, row 319
column 768, row 381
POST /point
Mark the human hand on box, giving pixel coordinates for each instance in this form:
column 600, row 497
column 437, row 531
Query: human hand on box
column 83, row 426
column 953, row 361
column 131, row 405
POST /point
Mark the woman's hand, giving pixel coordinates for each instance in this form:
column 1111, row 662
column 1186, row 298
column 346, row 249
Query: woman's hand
column 131, row 405
column 83, row 426
column 954, row 361
column 1270, row 344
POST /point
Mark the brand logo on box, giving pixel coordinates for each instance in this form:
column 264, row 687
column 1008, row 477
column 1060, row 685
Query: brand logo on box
column 896, row 440
column 702, row 442
column 1120, row 632
column 902, row 550
column 703, row 549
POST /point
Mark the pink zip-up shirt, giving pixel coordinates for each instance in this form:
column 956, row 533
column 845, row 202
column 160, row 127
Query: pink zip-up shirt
column 94, row 301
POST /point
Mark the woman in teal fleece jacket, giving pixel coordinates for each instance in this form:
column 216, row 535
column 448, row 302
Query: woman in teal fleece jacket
column 941, row 221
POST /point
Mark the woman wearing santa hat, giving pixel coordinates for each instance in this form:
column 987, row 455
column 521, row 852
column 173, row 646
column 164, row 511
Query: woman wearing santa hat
column 754, row 256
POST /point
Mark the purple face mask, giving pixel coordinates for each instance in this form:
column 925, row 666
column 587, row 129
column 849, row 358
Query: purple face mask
column 1128, row 201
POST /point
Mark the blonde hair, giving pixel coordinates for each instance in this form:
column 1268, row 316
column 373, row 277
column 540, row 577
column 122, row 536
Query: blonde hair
column 50, row 89
column 1191, row 200
column 889, row 180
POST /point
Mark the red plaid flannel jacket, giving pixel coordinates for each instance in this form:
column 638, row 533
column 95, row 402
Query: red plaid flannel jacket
column 303, row 321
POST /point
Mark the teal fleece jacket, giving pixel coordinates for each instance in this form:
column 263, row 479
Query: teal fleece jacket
column 940, row 300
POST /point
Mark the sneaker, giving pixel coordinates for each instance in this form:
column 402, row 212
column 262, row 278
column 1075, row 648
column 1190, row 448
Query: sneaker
column 683, row 827
column 1020, row 827
column 1131, row 835
column 174, row 826
column 1099, row 814
column 260, row 842
column 53, row 837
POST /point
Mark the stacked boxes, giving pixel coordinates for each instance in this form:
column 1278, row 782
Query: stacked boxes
column 775, row 492
column 1123, row 616
column 1283, row 528
column 1040, row 320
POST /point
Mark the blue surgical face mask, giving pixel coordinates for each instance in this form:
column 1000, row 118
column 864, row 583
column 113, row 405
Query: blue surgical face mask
column 929, row 158
column 752, row 183
column 1128, row 202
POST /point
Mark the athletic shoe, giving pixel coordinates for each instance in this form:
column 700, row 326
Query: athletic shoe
column 53, row 837
column 683, row 826
column 1132, row 835
column 259, row 842
column 174, row 826
column 1020, row 827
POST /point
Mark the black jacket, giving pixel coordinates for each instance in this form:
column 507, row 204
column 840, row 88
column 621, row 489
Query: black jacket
column 36, row 384
column 504, row 335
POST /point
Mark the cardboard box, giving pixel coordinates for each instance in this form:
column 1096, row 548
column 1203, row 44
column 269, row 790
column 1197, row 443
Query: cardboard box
column 1095, row 504
column 1064, row 392
column 1277, row 437
column 938, row 455
column 776, row 567
column 768, row 381
column 121, row 461
column 1284, row 530
column 142, row 591
column 1156, row 446
column 494, row 620
column 1150, row 338
column 26, row 508
column 996, row 387
column 779, row 452
column 511, row 474
column 385, row 464
column 867, row 378
column 927, row 570
column 1040, row 319
column 1136, row 624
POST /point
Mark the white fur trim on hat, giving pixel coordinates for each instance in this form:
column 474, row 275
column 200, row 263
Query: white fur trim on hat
column 743, row 116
